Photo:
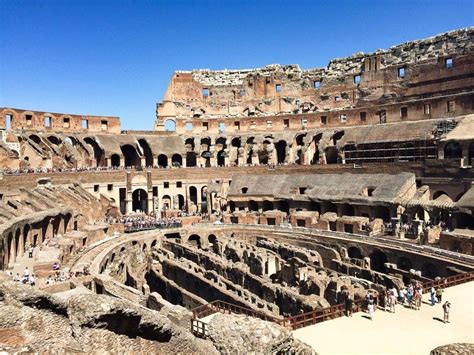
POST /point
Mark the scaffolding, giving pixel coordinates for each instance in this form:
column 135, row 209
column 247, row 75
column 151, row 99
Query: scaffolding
column 381, row 150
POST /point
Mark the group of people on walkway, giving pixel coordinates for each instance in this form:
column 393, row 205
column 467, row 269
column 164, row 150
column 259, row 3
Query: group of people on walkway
column 409, row 296
column 139, row 222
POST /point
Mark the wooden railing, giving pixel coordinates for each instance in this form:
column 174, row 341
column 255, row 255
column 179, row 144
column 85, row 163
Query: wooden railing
column 448, row 281
column 200, row 329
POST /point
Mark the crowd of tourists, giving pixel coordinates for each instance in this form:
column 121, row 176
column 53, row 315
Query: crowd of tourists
column 409, row 296
column 133, row 223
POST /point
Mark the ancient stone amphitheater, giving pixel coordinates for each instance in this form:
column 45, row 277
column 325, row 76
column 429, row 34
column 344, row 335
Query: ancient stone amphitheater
column 260, row 200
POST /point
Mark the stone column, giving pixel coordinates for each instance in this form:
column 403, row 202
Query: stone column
column 183, row 158
column 122, row 162
column 11, row 260
column 418, row 227
column 21, row 245
column 128, row 199
column 149, row 200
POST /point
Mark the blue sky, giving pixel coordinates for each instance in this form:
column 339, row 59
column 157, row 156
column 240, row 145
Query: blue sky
column 115, row 57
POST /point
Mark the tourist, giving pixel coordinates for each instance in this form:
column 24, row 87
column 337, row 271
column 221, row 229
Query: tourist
column 370, row 306
column 348, row 304
column 32, row 280
column 433, row 296
column 56, row 266
column 417, row 299
column 31, row 249
column 392, row 301
column 446, row 310
column 439, row 294
column 17, row 277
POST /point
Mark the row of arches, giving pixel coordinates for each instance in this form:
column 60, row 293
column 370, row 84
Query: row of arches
column 15, row 241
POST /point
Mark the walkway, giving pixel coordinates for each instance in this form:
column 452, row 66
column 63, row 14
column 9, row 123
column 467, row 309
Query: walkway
column 407, row 331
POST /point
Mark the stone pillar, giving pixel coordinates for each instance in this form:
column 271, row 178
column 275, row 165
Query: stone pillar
column 21, row 245
column 122, row 162
column 143, row 162
column 128, row 199
column 183, row 158
column 149, row 200
column 170, row 161
column 199, row 200
column 11, row 260
column 255, row 159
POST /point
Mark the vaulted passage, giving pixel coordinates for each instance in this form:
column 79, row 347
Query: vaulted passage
column 131, row 156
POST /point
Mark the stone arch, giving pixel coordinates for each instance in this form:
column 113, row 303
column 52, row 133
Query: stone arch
column 139, row 200
column 236, row 142
column 354, row 253
column 170, row 125
column 204, row 199
column 166, row 202
column 176, row 160
column 98, row 151
column 193, row 194
column 195, row 240
column 377, row 260
column 221, row 158
column 162, row 161
column 181, row 202
column 35, row 138
column 115, row 160
column 54, row 140
column 146, row 151
column 332, row 155
column 132, row 159
column 281, row 151
column 453, row 150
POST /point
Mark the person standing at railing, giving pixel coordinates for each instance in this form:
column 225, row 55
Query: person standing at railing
column 439, row 294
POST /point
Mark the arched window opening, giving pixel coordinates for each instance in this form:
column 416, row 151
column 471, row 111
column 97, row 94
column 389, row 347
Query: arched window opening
column 162, row 161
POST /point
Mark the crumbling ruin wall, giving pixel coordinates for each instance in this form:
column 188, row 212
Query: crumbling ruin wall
column 362, row 80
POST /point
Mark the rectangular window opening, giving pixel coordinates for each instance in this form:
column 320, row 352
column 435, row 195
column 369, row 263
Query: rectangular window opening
column 205, row 126
column 166, row 184
column 401, row 72
column 104, row 125
column 304, row 123
column 110, row 187
column 29, row 120
column 451, row 106
column 427, row 109
column 317, row 84
column 286, row 123
column 237, row 126
column 179, row 184
column 324, row 119
column 96, row 188
column 66, row 122
column 269, row 124
column 278, row 88
column 47, row 121
column 253, row 125
column 205, row 92
column 85, row 124
column 448, row 63
column 342, row 118
column 221, row 127
column 357, row 79
column 403, row 112
column 189, row 126
column 155, row 191
column 9, row 121
column 363, row 116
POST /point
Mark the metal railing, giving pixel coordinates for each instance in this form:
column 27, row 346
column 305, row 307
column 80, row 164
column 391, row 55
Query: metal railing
column 200, row 328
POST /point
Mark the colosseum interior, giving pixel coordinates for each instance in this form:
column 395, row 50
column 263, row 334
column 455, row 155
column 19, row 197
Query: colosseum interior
column 269, row 192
